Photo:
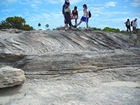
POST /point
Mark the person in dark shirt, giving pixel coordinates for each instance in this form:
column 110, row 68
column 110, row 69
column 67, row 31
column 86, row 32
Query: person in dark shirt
column 127, row 23
column 75, row 15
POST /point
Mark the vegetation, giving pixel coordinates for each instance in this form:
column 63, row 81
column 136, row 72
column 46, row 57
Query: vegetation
column 108, row 29
column 15, row 22
column 20, row 23
column 47, row 25
column 111, row 29
column 94, row 28
column 39, row 25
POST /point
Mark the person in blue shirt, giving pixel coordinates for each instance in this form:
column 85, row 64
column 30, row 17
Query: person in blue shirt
column 65, row 5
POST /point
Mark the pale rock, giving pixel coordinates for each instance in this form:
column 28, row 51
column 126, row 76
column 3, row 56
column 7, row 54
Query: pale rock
column 10, row 76
column 76, row 67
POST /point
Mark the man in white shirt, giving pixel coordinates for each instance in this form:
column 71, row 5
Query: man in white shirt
column 134, row 25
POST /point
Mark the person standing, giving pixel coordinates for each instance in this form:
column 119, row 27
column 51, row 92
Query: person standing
column 85, row 17
column 127, row 23
column 75, row 15
column 65, row 5
column 63, row 8
column 67, row 15
column 134, row 25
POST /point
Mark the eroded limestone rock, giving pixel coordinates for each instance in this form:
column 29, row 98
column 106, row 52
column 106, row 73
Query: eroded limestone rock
column 10, row 76
column 70, row 67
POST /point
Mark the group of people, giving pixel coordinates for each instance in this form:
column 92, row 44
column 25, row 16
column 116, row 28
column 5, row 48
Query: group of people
column 132, row 23
column 68, row 15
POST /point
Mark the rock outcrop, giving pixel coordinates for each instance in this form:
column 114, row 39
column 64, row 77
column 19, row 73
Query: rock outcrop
column 54, row 52
column 72, row 67
column 138, row 37
column 11, row 77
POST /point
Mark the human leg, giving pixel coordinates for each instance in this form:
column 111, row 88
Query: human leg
column 86, row 20
column 75, row 18
column 129, row 28
column 67, row 20
column 134, row 29
column 64, row 18
column 82, row 19
column 87, row 25
column 126, row 28
column 79, row 23
column 76, row 21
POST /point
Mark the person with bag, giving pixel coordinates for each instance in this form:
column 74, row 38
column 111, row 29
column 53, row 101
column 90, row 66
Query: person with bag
column 127, row 24
column 134, row 25
column 85, row 17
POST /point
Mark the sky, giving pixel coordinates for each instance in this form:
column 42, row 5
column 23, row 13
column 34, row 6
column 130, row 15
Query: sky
column 105, row 13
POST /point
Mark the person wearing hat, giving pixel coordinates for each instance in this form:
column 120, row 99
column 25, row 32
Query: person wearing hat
column 85, row 17
column 75, row 15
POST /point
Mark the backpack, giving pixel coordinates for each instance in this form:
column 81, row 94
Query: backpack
column 89, row 14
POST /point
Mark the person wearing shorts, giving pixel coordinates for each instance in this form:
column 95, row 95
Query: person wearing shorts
column 85, row 17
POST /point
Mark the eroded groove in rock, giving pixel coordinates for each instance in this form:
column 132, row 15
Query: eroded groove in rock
column 40, row 42
column 60, row 62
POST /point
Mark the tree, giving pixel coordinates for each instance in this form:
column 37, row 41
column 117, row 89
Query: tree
column 47, row 25
column 27, row 27
column 4, row 25
column 39, row 25
column 14, row 22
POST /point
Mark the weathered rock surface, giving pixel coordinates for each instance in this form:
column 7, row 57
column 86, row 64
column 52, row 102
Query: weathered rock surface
column 138, row 37
column 11, row 77
column 72, row 67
